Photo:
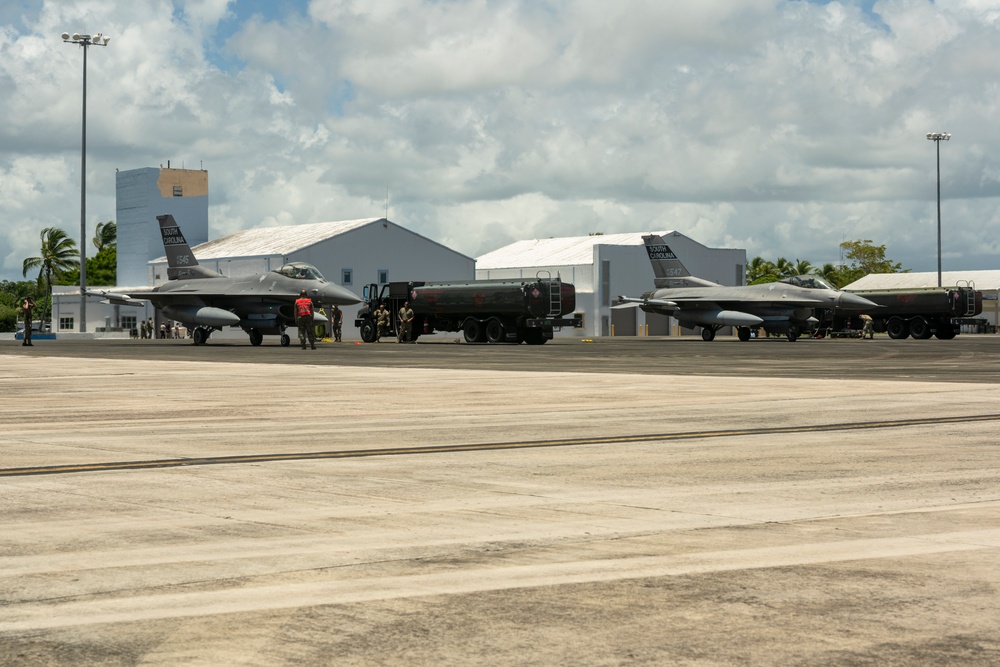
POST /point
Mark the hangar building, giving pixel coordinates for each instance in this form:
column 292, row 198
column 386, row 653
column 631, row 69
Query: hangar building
column 603, row 267
column 987, row 282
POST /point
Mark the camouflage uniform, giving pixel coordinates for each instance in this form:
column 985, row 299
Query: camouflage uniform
column 304, row 320
column 405, row 323
column 27, row 307
column 382, row 322
column 337, row 320
column 867, row 329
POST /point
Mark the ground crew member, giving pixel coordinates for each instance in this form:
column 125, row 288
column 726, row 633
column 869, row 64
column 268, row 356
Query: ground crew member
column 382, row 321
column 867, row 331
column 304, row 320
column 27, row 308
column 405, row 323
column 337, row 320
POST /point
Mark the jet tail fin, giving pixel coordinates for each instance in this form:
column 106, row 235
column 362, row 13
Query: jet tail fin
column 181, row 262
column 668, row 271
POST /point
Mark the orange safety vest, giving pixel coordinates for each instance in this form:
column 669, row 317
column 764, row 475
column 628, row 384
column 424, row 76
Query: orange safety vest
column 304, row 307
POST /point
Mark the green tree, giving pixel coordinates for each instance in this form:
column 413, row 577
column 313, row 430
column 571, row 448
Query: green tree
column 58, row 255
column 105, row 235
column 758, row 269
column 804, row 267
column 102, row 269
column 11, row 295
column 783, row 268
column 866, row 257
column 831, row 273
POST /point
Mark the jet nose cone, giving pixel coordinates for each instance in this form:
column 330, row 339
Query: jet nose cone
column 336, row 295
column 850, row 301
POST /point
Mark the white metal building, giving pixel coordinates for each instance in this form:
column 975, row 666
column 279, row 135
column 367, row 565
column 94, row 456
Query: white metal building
column 603, row 267
column 352, row 253
column 987, row 282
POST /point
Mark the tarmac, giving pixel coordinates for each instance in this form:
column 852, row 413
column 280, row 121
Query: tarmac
column 615, row 502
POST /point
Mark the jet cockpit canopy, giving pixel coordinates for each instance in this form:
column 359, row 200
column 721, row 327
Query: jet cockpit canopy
column 810, row 281
column 301, row 271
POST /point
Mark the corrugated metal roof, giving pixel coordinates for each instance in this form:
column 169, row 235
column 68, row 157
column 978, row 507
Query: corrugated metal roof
column 263, row 241
column 565, row 251
column 984, row 280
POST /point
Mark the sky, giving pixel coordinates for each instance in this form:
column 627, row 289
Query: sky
column 783, row 127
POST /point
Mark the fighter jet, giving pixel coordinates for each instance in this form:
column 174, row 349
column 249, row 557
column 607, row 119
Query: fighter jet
column 784, row 307
column 205, row 301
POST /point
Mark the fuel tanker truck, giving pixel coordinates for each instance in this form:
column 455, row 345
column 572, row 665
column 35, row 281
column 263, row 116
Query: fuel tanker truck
column 920, row 313
column 485, row 311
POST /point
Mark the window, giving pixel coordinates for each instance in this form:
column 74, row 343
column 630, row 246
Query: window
column 129, row 323
column 345, row 277
column 67, row 324
column 383, row 276
column 178, row 191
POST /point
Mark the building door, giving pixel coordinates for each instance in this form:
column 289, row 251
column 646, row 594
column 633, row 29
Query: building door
column 623, row 322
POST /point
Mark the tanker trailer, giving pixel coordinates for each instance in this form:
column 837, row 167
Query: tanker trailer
column 485, row 311
column 920, row 313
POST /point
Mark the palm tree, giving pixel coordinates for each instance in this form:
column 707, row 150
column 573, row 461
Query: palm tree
column 105, row 235
column 804, row 267
column 758, row 268
column 59, row 254
column 831, row 274
column 783, row 268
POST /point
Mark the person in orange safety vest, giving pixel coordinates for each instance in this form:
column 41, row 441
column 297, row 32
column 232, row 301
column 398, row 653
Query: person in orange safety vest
column 304, row 320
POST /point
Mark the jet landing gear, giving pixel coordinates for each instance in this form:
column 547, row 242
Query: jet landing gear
column 256, row 338
column 200, row 335
column 708, row 333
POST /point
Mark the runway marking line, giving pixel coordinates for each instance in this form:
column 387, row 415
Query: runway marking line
column 486, row 446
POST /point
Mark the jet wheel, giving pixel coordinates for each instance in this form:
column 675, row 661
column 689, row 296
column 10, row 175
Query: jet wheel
column 793, row 334
column 708, row 334
column 199, row 336
column 256, row 337
column 743, row 333
column 286, row 340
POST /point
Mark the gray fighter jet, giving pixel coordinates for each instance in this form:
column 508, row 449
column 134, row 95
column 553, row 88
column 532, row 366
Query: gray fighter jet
column 784, row 307
column 205, row 301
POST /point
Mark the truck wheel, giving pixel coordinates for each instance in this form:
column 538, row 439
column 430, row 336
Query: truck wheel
column 897, row 329
column 534, row 337
column 919, row 328
column 368, row 331
column 494, row 331
column 473, row 330
column 946, row 331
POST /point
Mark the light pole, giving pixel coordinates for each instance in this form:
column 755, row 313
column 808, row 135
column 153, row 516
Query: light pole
column 86, row 41
column 937, row 137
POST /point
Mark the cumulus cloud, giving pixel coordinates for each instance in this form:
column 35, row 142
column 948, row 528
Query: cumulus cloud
column 780, row 127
